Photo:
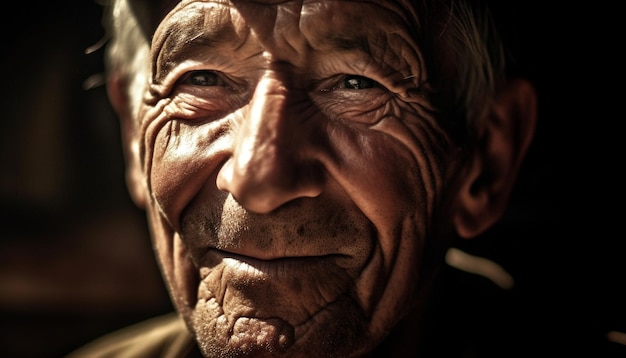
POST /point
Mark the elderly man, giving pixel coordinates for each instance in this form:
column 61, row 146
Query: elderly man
column 305, row 164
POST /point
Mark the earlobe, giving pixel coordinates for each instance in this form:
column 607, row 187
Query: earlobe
column 135, row 180
column 492, row 171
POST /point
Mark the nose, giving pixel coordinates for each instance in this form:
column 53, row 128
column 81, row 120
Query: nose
column 273, row 161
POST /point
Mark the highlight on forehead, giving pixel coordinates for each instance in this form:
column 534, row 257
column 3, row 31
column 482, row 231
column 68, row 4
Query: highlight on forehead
column 209, row 23
column 159, row 8
column 337, row 32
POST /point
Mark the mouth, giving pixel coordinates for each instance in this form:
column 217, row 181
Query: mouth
column 268, row 267
column 284, row 286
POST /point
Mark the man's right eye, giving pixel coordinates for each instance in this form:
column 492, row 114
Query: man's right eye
column 202, row 78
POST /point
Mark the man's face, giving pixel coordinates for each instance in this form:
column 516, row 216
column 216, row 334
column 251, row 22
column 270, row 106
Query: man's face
column 294, row 166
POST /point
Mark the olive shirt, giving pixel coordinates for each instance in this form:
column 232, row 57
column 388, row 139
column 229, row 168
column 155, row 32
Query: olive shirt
column 164, row 336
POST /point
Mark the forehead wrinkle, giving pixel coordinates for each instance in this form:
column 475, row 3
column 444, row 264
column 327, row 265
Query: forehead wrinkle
column 195, row 31
column 405, row 9
column 276, row 25
column 318, row 38
column 392, row 44
column 349, row 32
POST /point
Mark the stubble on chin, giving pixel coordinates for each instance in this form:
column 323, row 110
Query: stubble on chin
column 258, row 317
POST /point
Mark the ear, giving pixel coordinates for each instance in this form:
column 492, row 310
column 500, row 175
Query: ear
column 135, row 179
column 492, row 171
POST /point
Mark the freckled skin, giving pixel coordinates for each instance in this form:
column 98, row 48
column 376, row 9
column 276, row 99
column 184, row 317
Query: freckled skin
column 294, row 176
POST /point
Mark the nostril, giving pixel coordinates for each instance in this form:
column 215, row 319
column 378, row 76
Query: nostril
column 262, row 190
column 225, row 177
column 261, row 204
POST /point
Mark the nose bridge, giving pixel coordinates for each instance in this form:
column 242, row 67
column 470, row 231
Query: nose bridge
column 267, row 127
column 270, row 164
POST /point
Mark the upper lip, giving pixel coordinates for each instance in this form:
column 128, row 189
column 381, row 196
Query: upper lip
column 261, row 256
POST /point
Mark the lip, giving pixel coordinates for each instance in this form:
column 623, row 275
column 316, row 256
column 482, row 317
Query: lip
column 286, row 284
column 266, row 267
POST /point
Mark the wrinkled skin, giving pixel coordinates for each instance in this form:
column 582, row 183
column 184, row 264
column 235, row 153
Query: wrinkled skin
column 294, row 166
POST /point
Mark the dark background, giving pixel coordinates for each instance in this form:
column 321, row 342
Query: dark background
column 75, row 257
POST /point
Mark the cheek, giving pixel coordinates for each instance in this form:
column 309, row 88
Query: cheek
column 388, row 175
column 394, row 172
column 387, row 185
column 394, row 187
column 380, row 174
column 185, row 156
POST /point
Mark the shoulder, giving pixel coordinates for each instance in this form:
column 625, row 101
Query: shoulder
column 162, row 336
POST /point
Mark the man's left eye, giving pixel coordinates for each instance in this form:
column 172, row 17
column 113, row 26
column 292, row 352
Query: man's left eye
column 358, row 82
column 202, row 78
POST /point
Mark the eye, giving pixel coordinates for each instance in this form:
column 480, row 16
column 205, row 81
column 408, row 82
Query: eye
column 348, row 82
column 202, row 78
column 358, row 82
